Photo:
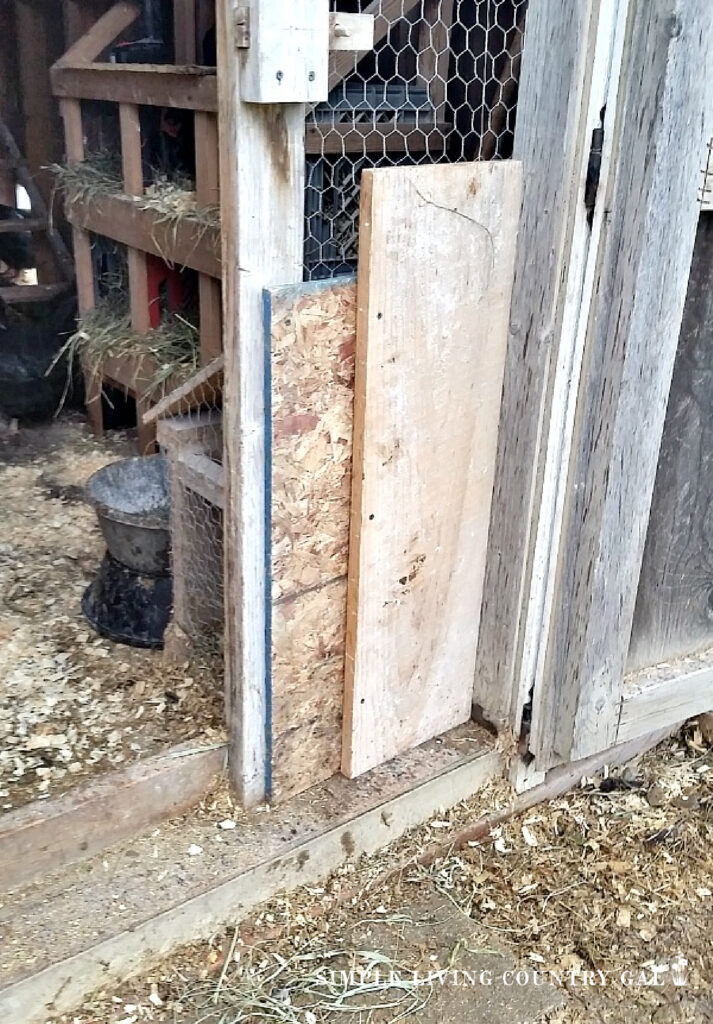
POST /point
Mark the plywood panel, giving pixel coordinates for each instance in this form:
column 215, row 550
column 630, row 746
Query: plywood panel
column 311, row 331
column 437, row 248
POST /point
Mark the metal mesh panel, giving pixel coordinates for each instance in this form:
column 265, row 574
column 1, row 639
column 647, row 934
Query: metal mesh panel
column 439, row 86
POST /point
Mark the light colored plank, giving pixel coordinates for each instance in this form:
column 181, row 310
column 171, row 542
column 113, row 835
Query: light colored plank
column 49, row 834
column 287, row 60
column 156, row 85
column 436, row 255
column 673, row 603
column 202, row 474
column 353, row 32
column 551, row 139
column 666, row 693
column 312, row 336
column 101, row 35
column 262, row 173
column 205, row 387
column 631, row 343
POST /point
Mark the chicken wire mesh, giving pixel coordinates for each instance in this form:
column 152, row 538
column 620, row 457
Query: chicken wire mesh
column 439, row 86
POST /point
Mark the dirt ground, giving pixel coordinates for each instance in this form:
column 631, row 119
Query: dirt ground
column 595, row 907
column 73, row 705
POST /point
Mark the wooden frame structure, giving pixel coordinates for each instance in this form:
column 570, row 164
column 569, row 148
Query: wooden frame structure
column 599, row 298
column 76, row 77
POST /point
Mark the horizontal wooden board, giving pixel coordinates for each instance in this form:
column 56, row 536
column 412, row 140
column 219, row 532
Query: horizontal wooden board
column 49, row 834
column 146, row 84
column 667, row 693
column 311, row 334
column 184, row 242
column 436, row 256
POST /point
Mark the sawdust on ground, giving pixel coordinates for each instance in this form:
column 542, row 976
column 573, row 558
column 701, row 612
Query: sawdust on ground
column 606, row 893
column 74, row 705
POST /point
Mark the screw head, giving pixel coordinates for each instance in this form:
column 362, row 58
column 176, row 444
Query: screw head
column 311, row 76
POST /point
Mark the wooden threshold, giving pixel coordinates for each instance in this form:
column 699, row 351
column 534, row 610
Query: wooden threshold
column 669, row 692
column 204, row 388
column 184, row 242
column 300, row 844
column 154, row 85
column 49, row 834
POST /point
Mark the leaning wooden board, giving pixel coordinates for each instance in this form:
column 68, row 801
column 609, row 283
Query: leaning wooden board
column 310, row 338
column 436, row 256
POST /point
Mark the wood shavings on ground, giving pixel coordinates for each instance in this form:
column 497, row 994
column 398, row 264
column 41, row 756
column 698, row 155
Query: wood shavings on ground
column 608, row 882
column 73, row 705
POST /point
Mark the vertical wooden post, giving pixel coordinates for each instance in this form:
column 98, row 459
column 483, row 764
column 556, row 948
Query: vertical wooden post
column 41, row 135
column 184, row 31
column 262, row 170
column 642, row 278
column 208, row 194
column 132, row 167
column 551, row 139
column 71, row 111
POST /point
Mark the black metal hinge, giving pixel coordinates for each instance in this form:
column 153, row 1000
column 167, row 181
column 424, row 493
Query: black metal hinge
column 594, row 168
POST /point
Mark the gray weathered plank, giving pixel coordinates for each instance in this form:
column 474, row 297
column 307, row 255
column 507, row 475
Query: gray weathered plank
column 550, row 140
column 262, row 197
column 629, row 359
column 674, row 605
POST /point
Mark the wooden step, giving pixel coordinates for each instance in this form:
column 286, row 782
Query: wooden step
column 91, row 924
column 16, row 294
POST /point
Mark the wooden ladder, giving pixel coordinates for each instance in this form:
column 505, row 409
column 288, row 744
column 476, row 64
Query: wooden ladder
column 12, row 159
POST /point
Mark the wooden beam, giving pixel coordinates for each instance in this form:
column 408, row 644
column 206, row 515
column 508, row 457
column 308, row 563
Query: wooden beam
column 664, row 124
column 185, row 242
column 204, row 388
column 202, row 475
column 184, row 31
column 385, row 13
column 49, row 834
column 208, row 194
column 71, row 112
column 262, row 172
column 101, row 35
column 666, row 693
column 436, row 257
column 17, row 294
column 147, row 84
column 551, row 141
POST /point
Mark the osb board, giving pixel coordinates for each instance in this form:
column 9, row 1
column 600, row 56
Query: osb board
column 310, row 330
column 436, row 257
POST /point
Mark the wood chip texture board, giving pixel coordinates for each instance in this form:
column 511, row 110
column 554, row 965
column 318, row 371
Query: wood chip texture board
column 310, row 334
column 436, row 257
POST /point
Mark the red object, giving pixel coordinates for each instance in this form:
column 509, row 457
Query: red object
column 166, row 288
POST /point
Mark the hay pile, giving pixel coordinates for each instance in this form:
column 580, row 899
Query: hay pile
column 167, row 352
column 172, row 198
